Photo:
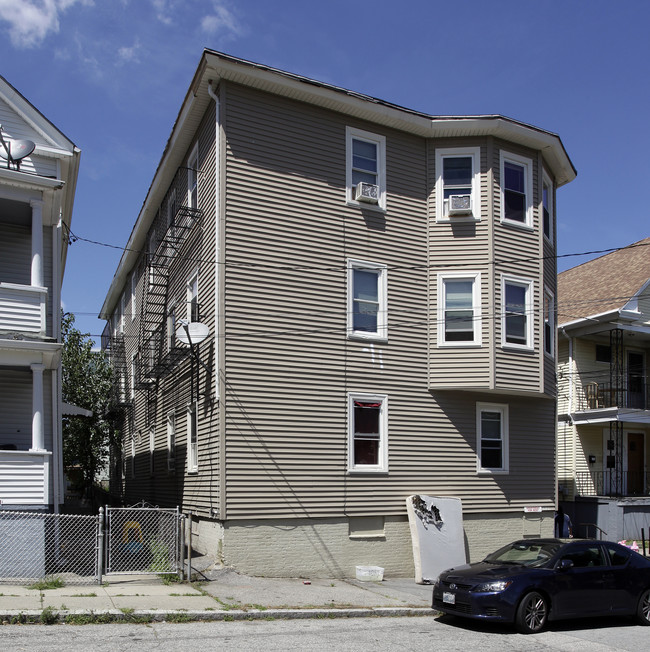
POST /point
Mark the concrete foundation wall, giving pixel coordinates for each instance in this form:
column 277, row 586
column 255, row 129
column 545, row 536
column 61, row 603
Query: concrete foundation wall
column 332, row 548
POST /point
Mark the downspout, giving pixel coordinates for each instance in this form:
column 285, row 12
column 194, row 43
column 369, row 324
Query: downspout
column 219, row 339
column 571, row 386
column 57, row 426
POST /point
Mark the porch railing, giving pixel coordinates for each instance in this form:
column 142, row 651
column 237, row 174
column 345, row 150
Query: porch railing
column 597, row 393
column 25, row 477
column 613, row 483
column 22, row 308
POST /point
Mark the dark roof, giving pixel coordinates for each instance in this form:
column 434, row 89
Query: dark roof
column 603, row 284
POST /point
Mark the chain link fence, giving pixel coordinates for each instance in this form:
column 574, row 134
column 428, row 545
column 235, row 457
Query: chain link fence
column 82, row 549
column 143, row 540
column 36, row 546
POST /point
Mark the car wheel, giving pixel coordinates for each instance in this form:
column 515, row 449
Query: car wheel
column 532, row 613
column 643, row 609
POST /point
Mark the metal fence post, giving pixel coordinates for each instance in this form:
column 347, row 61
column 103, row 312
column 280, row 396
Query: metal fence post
column 100, row 547
column 188, row 526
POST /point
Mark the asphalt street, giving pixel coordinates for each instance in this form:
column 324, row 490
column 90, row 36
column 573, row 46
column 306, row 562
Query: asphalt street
column 352, row 634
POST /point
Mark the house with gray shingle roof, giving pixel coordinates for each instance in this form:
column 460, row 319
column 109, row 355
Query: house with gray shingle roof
column 603, row 399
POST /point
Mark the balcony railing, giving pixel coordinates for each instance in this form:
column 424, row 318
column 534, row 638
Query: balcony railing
column 613, row 483
column 22, row 308
column 25, row 477
column 597, row 393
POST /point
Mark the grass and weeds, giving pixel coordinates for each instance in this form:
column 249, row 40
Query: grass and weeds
column 47, row 583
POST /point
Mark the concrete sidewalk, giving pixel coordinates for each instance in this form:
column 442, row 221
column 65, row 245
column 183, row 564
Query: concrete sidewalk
column 222, row 594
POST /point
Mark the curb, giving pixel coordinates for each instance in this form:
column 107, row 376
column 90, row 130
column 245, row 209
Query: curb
column 138, row 616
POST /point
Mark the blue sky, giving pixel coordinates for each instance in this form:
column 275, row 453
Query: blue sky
column 111, row 74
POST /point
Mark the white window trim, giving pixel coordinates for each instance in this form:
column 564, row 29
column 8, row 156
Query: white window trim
column 381, row 334
column 382, row 466
column 133, row 451
column 505, row 428
column 527, row 164
column 171, row 441
column 172, row 310
column 476, row 305
column 189, row 294
column 528, row 310
column 553, row 330
column 193, row 164
column 192, row 450
column 133, row 373
column 152, row 448
column 134, row 290
column 546, row 181
column 358, row 134
column 458, row 152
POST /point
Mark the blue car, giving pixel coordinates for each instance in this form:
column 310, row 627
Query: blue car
column 532, row 581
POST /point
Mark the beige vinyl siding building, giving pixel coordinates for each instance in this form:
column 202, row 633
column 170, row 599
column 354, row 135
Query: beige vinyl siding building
column 354, row 347
column 603, row 398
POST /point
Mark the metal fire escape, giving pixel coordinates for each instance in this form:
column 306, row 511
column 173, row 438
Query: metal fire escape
column 175, row 219
column 614, row 466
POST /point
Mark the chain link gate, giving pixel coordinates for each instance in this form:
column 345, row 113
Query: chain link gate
column 143, row 540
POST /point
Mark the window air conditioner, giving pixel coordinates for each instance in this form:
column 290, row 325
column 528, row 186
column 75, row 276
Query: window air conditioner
column 367, row 192
column 459, row 205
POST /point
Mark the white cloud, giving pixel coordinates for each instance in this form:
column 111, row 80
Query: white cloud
column 30, row 21
column 222, row 19
column 129, row 54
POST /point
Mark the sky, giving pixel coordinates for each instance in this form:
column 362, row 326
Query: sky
column 111, row 75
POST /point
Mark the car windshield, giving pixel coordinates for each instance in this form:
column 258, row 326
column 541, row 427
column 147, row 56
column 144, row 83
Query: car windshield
column 524, row 553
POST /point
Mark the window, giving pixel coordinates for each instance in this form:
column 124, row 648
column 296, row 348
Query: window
column 193, row 178
column 132, row 460
column 171, row 442
column 134, row 289
column 368, row 432
column 171, row 328
column 492, row 428
column 516, row 189
column 193, row 298
column 549, row 323
column 459, row 309
column 367, row 303
column 192, row 439
column 603, row 353
column 517, row 324
column 171, row 208
column 133, row 373
column 366, row 162
column 152, row 448
column 458, row 173
column 547, row 207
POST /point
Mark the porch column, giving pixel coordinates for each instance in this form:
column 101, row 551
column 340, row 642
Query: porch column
column 37, row 242
column 38, row 433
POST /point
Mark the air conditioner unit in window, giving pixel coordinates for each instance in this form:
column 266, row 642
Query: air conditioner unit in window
column 459, row 205
column 367, row 192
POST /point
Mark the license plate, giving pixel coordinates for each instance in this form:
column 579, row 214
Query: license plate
column 449, row 598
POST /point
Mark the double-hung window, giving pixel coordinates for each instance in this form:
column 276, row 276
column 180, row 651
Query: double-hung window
column 171, row 442
column 193, row 178
column 549, row 323
column 458, row 183
column 366, row 163
column 492, row 435
column 152, row 449
column 516, row 189
column 193, row 298
column 517, row 316
column 459, row 309
column 367, row 301
column 547, row 207
column 367, row 432
column 192, row 439
column 171, row 328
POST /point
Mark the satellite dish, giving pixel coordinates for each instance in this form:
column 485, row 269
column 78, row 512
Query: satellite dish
column 15, row 151
column 193, row 332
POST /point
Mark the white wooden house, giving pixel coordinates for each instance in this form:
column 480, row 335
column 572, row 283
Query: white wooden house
column 36, row 197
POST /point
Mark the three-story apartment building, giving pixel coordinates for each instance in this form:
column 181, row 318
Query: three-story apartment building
column 38, row 176
column 603, row 399
column 368, row 293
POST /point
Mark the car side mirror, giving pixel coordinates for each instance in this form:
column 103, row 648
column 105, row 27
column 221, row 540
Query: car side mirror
column 565, row 565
